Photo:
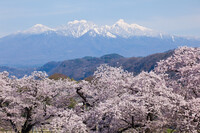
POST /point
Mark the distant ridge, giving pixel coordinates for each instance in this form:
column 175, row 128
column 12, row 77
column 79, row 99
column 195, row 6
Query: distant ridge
column 81, row 68
column 77, row 29
column 84, row 67
column 76, row 39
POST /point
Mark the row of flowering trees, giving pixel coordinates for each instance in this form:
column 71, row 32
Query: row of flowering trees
column 113, row 101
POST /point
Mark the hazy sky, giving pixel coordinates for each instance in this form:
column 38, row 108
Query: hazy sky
column 179, row 17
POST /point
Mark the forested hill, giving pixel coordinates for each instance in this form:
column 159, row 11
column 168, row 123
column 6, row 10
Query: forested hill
column 18, row 72
column 85, row 67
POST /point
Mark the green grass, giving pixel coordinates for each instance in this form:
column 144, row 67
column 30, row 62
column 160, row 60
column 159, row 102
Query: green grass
column 170, row 130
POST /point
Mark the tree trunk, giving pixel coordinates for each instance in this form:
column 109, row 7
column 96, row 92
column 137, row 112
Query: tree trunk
column 132, row 122
column 14, row 126
column 27, row 129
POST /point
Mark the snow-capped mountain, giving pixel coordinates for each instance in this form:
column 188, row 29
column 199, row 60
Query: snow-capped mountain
column 37, row 29
column 77, row 29
column 123, row 29
column 40, row 44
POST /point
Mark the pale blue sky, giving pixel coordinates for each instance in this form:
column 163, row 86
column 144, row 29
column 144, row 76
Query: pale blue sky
column 179, row 17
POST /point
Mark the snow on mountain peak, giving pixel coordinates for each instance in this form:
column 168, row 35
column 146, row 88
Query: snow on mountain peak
column 39, row 25
column 123, row 29
column 78, row 28
column 120, row 22
column 123, row 24
column 101, row 32
column 37, row 29
column 136, row 26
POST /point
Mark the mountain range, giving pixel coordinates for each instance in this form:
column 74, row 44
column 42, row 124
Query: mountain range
column 76, row 39
column 82, row 68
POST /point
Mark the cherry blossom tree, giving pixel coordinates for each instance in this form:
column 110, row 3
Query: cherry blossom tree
column 186, row 117
column 68, row 121
column 33, row 100
column 108, row 82
column 114, row 100
column 142, row 102
column 181, row 71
